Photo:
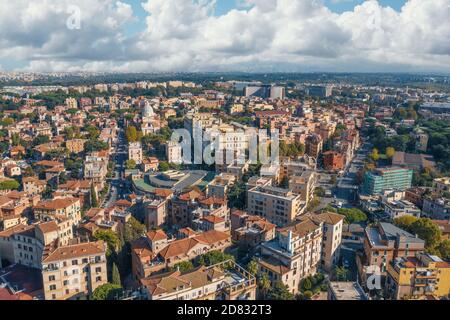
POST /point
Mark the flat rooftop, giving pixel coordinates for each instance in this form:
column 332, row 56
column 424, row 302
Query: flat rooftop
column 347, row 291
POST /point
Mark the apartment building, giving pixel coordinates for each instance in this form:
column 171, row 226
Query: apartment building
column 225, row 281
column 135, row 152
column 174, row 152
column 294, row 254
column 313, row 145
column 332, row 239
column 74, row 271
column 436, row 208
column 20, row 245
column 441, row 185
column 399, row 208
column 157, row 252
column 334, row 161
column 156, row 213
column 279, row 206
column 96, row 169
column 379, row 180
column 75, row 145
column 418, row 277
column 384, row 243
column 24, row 244
column 250, row 231
column 304, row 185
column 67, row 207
column 33, row 186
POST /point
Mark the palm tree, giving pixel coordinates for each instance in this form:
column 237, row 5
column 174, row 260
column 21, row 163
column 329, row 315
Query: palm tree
column 264, row 284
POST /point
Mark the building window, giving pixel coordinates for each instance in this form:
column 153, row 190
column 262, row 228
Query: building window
column 51, row 278
column 74, row 262
column 52, row 287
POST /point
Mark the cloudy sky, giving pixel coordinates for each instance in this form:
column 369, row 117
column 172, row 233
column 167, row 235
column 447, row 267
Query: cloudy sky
column 225, row 35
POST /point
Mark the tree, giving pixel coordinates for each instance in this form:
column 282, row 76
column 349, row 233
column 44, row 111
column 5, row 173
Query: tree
column 183, row 267
column 280, row 292
column 252, row 267
column 341, row 273
column 236, row 196
column 375, row 156
column 107, row 291
column 115, row 275
column 133, row 230
column 130, row 164
column 390, row 152
column 110, row 237
column 264, row 284
column 405, row 222
column 353, row 215
column 214, row 257
column 94, row 200
column 9, row 185
column 307, row 284
column 428, row 231
column 444, row 249
column 131, row 134
column 164, row 166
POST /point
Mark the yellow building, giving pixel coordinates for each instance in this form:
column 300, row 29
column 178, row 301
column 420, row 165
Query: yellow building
column 417, row 278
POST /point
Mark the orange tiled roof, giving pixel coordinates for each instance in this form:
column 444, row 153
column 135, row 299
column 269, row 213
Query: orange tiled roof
column 77, row 250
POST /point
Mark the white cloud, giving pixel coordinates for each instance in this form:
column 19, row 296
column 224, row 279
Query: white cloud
column 264, row 35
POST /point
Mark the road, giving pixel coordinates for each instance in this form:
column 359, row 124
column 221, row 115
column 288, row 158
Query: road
column 119, row 155
column 347, row 190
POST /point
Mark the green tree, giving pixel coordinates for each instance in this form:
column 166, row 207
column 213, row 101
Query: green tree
column 183, row 267
column 444, row 249
column 236, row 196
column 130, row 164
column 115, row 275
column 164, row 166
column 131, row 134
column 307, row 284
column 133, row 230
column 94, row 200
column 353, row 215
column 264, row 284
column 110, row 237
column 9, row 185
column 106, row 291
column 214, row 257
column 280, row 292
column 341, row 273
column 428, row 231
column 252, row 267
column 405, row 222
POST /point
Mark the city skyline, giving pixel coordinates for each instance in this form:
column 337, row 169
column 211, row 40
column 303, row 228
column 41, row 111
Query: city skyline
column 225, row 36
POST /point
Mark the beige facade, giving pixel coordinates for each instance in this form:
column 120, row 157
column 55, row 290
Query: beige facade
column 73, row 272
column 75, row 145
column 304, row 185
column 67, row 207
column 279, row 206
column 226, row 281
column 135, row 152
column 332, row 239
column 294, row 255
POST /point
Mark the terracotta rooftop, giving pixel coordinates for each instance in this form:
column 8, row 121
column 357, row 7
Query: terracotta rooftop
column 156, row 235
column 76, row 251
column 56, row 204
